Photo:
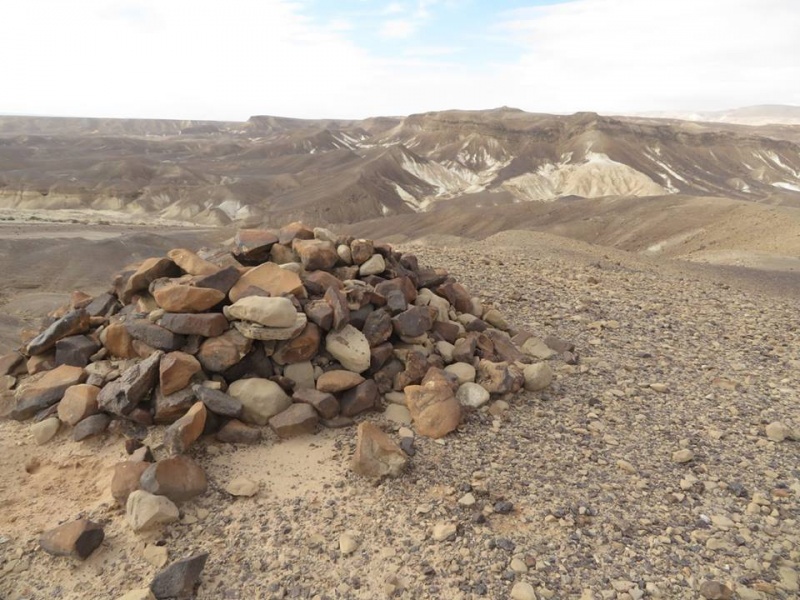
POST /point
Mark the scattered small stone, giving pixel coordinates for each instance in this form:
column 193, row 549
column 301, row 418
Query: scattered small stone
column 661, row 388
column 242, row 486
column 376, row 454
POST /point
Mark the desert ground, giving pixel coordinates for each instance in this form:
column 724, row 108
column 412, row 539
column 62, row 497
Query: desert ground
column 644, row 471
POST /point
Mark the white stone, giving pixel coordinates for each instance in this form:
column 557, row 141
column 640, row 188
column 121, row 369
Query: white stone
column 270, row 312
column 262, row 399
column 348, row 543
column 538, row 376
column 442, row 531
column 523, row 591
column 302, row 374
column 397, row 414
column 683, row 456
column 45, row 430
column 374, row 266
column 145, row 510
column 445, row 350
column 350, row 348
column 472, row 395
column 242, row 486
column 464, row 372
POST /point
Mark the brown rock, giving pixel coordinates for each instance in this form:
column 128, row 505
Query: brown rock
column 79, row 402
column 714, row 590
column 206, row 325
column 154, row 336
column 296, row 420
column 324, row 403
column 236, row 432
column 281, row 255
column 416, row 365
column 187, row 298
column 377, row 327
column 150, row 270
column 379, row 355
column 338, row 381
column 433, row 407
column 77, row 538
column 337, row 300
column 321, row 313
column 73, row 323
column 254, row 331
column 361, row 251
column 252, row 246
column 376, row 454
column 103, row 305
column 180, row 435
column 302, row 348
column 271, row 279
column 504, row 348
column 192, row 264
column 179, row 478
column 122, row 395
column 500, row 377
column 12, row 364
column 402, row 284
column 172, row 407
column 222, row 352
column 45, row 391
column 126, row 479
column 360, row 398
column 294, row 231
column 176, row 371
column 457, row 295
column 316, row 254
column 318, row 282
column 223, row 280
column 118, row 341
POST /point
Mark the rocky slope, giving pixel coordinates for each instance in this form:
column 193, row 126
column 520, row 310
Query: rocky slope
column 646, row 471
column 327, row 171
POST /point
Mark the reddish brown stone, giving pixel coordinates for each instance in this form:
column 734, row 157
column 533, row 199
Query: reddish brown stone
column 180, row 435
column 301, row 348
column 45, row 391
column 338, row 381
column 271, row 279
column 318, row 282
column 413, row 322
column 79, row 402
column 150, row 270
column 220, row 353
column 321, row 313
column 190, row 263
column 126, row 479
column 169, row 409
column 445, row 331
column 176, row 371
column 178, row 478
column 12, row 364
column 118, row 341
column 77, row 538
column 316, row 254
column 361, row 251
column 379, row 355
column 337, row 300
column 187, row 298
column 376, row 454
column 295, row 231
column 402, row 284
column 252, row 246
column 457, row 295
column 433, row 407
column 325, row 404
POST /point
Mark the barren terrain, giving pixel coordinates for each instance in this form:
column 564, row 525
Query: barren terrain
column 600, row 508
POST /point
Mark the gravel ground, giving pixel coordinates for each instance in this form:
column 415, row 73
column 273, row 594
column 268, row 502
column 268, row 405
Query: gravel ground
column 575, row 491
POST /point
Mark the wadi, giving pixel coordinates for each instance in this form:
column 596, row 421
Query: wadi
column 459, row 354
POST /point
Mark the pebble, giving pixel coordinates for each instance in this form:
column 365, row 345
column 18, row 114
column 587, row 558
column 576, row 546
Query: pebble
column 443, row 531
column 242, row 486
column 45, row 430
column 714, row 590
column 683, row 456
column 778, row 431
column 523, row 591
column 467, row 499
column 348, row 543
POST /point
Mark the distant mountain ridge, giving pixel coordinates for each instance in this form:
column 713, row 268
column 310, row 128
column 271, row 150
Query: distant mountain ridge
column 274, row 169
column 758, row 115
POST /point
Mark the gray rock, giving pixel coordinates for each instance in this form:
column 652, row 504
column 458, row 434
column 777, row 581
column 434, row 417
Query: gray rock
column 179, row 579
column 122, row 395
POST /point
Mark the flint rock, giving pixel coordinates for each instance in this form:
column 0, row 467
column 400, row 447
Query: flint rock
column 45, row 391
column 73, row 323
column 192, row 264
column 376, row 454
column 179, row 579
column 122, row 395
column 180, row 435
column 187, row 299
column 77, row 538
column 176, row 371
column 205, row 324
column 221, row 353
column 178, row 478
column 125, row 479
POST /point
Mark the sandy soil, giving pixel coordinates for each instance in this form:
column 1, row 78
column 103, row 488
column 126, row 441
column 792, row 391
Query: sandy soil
column 600, row 508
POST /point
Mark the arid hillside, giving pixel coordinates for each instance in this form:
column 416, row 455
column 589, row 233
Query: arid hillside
column 274, row 170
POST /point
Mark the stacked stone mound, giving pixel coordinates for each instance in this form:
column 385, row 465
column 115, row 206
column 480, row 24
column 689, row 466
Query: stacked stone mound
column 291, row 329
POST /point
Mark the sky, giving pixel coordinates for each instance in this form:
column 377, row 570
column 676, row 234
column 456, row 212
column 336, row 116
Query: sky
column 228, row 60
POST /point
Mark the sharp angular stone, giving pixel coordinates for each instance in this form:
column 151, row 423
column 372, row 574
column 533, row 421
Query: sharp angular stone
column 178, row 478
column 360, row 398
column 147, row 511
column 176, row 371
column 324, row 403
column 316, row 255
column 376, row 454
column 205, row 324
column 118, row 341
column 103, row 305
column 220, row 353
column 298, row 419
column 73, row 323
column 377, row 327
column 170, row 408
column 219, row 402
column 252, row 246
column 295, row 231
column 75, row 350
column 77, row 538
column 301, row 348
column 150, row 270
column 154, row 335
column 337, row 300
column 179, row 579
column 223, row 280
column 320, row 313
column 45, row 391
column 122, row 395
column 180, row 435
column 192, row 264
column 318, row 282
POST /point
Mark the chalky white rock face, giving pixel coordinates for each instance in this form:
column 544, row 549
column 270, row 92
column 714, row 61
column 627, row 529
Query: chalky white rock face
column 270, row 312
column 350, row 348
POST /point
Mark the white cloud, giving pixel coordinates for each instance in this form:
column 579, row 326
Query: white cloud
column 398, row 28
column 181, row 59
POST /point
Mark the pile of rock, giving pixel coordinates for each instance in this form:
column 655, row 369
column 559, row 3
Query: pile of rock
column 292, row 329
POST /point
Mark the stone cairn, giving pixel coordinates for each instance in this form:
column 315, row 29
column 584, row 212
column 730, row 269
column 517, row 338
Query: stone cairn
column 290, row 329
